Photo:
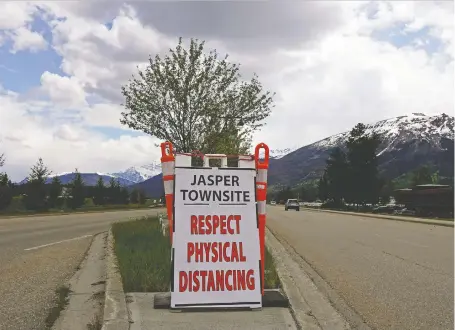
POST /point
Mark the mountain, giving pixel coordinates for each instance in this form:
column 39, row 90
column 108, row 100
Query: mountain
column 138, row 174
column 153, row 187
column 89, row 179
column 407, row 143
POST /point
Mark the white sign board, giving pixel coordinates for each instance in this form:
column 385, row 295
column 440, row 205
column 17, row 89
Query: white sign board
column 216, row 254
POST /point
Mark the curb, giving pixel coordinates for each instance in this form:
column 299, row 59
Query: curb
column 444, row 223
column 309, row 307
column 115, row 311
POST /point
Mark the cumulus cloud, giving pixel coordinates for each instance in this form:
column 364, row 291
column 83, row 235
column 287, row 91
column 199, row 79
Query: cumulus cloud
column 325, row 61
column 25, row 39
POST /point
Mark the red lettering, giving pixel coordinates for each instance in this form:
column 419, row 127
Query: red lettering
column 193, row 225
column 198, row 252
column 217, row 280
column 208, row 223
column 234, row 252
column 225, row 255
column 216, row 223
column 229, row 229
column 190, row 251
column 250, row 279
column 228, row 285
column 237, row 218
column 241, row 284
column 183, row 281
column 242, row 256
column 220, row 280
column 223, row 225
column 201, row 225
column 210, row 282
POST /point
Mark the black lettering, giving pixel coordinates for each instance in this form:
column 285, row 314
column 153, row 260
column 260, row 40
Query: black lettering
column 205, row 195
column 184, row 191
column 218, row 179
column 201, row 180
column 217, row 195
column 246, row 196
column 235, row 180
column 194, row 194
column 210, row 180
column 194, row 180
column 226, row 196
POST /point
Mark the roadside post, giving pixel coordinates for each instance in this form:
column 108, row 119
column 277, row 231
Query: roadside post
column 217, row 226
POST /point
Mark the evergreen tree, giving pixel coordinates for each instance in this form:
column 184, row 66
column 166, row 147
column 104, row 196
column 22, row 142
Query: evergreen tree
column 337, row 173
column 6, row 188
column 363, row 176
column 36, row 197
column 134, row 196
column 114, row 192
column 100, row 192
column 323, row 187
column 124, row 196
column 77, row 191
column 387, row 188
column 142, row 197
column 421, row 175
column 55, row 191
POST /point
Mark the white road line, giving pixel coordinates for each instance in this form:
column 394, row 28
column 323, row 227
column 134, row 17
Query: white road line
column 65, row 240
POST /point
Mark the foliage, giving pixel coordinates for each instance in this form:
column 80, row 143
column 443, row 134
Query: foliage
column 352, row 176
column 36, row 195
column 422, row 175
column 99, row 193
column 77, row 191
column 55, row 192
column 6, row 187
column 196, row 100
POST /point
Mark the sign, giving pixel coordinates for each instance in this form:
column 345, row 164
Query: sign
column 215, row 251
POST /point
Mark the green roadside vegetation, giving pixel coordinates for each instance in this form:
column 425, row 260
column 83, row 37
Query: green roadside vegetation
column 143, row 254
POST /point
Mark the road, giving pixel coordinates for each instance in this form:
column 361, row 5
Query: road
column 38, row 254
column 395, row 275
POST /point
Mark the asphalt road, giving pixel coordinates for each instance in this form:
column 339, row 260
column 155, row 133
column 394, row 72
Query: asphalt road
column 38, row 254
column 395, row 275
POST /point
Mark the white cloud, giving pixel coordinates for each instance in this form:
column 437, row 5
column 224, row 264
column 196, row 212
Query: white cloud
column 15, row 14
column 338, row 77
column 25, row 39
column 63, row 91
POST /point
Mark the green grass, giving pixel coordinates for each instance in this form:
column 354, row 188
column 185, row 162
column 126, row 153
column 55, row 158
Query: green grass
column 144, row 258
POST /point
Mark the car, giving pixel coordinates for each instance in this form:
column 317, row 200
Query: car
column 292, row 204
column 272, row 203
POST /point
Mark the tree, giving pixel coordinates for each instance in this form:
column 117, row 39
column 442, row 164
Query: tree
column 36, row 197
column 114, row 196
column 363, row 166
column 99, row 195
column 195, row 100
column 77, row 191
column 337, row 173
column 134, row 196
column 421, row 175
column 124, row 196
column 142, row 197
column 323, row 187
column 387, row 188
column 6, row 193
column 55, row 192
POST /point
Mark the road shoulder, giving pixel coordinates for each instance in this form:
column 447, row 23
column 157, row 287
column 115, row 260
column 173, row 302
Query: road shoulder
column 446, row 223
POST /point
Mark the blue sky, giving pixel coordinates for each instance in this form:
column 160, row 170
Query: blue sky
column 326, row 63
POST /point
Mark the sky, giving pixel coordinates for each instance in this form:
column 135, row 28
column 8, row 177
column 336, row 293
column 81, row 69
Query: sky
column 331, row 65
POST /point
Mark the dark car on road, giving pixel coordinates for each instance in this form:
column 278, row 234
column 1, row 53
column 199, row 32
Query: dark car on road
column 292, row 204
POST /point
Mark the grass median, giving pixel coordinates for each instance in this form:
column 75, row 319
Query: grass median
column 143, row 255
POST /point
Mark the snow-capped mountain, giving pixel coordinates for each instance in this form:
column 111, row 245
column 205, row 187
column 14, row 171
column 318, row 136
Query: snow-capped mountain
column 280, row 153
column 90, row 179
column 407, row 142
column 138, row 174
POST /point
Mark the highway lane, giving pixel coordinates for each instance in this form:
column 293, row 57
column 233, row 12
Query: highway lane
column 395, row 275
column 38, row 254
